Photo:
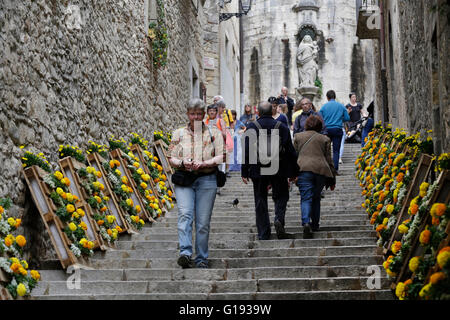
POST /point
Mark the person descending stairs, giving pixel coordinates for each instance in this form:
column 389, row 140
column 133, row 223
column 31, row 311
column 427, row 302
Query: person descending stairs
column 333, row 265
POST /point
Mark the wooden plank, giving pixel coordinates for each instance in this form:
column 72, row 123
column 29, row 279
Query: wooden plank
column 69, row 167
column 135, row 196
column 420, row 175
column 440, row 195
column 95, row 161
column 34, row 179
column 4, row 294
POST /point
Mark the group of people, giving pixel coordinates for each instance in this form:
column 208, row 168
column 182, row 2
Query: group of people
column 308, row 154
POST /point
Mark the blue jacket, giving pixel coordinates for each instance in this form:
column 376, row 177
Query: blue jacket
column 288, row 167
column 334, row 114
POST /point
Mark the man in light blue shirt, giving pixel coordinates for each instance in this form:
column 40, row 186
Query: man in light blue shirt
column 334, row 114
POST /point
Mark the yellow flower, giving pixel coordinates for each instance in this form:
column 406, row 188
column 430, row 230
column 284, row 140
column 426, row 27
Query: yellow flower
column 136, row 165
column 110, row 219
column 12, row 222
column 21, row 290
column 424, row 291
column 143, row 185
column 403, row 229
column 58, row 175
column 59, row 191
column 72, row 226
column 438, row 209
column 24, row 264
column 129, row 202
column 400, row 290
column 70, row 208
column 138, row 209
column 35, row 275
column 117, row 172
column 390, row 208
column 385, row 221
column 141, row 222
column 21, row 241
column 425, row 236
column 414, row 263
column 83, row 225
column 443, row 257
column 69, row 197
column 396, row 246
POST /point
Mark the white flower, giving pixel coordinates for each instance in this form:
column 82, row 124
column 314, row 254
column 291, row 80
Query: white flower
column 76, row 251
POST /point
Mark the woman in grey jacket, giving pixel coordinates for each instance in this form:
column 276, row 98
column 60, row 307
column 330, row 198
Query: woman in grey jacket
column 316, row 170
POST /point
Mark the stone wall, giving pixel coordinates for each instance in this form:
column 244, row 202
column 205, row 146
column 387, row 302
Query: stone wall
column 417, row 68
column 271, row 29
column 65, row 80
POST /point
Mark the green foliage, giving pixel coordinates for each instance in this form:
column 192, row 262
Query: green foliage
column 319, row 84
column 5, row 203
column 30, row 159
column 72, row 151
column 157, row 32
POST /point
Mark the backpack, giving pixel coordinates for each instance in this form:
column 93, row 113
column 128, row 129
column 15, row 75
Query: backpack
column 267, row 152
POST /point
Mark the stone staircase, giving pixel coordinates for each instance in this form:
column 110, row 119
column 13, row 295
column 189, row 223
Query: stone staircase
column 333, row 265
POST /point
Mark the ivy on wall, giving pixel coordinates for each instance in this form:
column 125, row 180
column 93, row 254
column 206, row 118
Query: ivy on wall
column 157, row 32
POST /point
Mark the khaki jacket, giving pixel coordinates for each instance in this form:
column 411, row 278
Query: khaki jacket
column 316, row 155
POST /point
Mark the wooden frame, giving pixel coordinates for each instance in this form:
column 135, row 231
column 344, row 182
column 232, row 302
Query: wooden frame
column 420, row 175
column 40, row 193
column 95, row 161
column 135, row 196
column 441, row 195
column 138, row 152
column 159, row 148
column 69, row 167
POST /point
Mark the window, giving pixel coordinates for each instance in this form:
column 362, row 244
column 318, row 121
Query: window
column 151, row 12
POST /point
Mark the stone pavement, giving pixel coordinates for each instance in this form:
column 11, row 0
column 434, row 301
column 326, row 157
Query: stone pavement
column 333, row 265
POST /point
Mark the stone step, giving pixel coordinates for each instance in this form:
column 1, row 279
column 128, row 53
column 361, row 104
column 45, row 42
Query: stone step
column 203, row 286
column 253, row 236
column 314, row 295
column 242, row 253
column 227, row 222
column 291, row 228
column 210, row 274
column 245, row 244
column 220, row 263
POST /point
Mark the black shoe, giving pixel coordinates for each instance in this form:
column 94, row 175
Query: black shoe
column 281, row 233
column 185, row 262
column 307, row 233
column 322, row 194
column 203, row 265
column 315, row 229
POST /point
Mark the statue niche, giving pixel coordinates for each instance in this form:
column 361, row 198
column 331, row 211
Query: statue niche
column 307, row 54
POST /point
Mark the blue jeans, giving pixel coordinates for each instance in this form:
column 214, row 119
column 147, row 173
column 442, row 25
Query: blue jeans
column 310, row 186
column 366, row 130
column 196, row 201
column 341, row 152
column 335, row 134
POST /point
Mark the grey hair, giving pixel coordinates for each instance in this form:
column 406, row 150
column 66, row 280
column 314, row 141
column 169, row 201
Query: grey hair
column 218, row 98
column 265, row 109
column 195, row 104
column 220, row 104
column 304, row 98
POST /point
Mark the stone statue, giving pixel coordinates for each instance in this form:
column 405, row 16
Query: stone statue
column 307, row 53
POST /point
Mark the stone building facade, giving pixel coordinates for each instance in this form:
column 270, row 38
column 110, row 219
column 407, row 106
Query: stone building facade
column 412, row 76
column 78, row 70
column 273, row 31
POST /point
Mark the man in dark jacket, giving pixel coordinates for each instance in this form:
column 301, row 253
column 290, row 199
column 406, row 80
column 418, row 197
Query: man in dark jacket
column 253, row 168
column 284, row 99
column 299, row 124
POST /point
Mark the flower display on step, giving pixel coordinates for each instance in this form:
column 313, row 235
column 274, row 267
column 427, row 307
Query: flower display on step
column 139, row 140
column 30, row 159
column 98, row 202
column 385, row 169
column 71, row 151
column 160, row 135
column 93, row 147
column 67, row 211
column 118, row 144
column 21, row 280
column 122, row 190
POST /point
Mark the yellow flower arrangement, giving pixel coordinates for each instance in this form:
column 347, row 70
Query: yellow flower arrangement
column 437, row 277
column 443, row 256
column 414, row 263
column 425, row 236
column 396, row 246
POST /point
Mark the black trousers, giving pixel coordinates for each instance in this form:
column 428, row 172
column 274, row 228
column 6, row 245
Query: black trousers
column 280, row 195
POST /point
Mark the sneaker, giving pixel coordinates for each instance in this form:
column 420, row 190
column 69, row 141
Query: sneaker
column 340, row 161
column 202, row 265
column 218, row 191
column 281, row 233
column 307, row 233
column 185, row 262
column 322, row 194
